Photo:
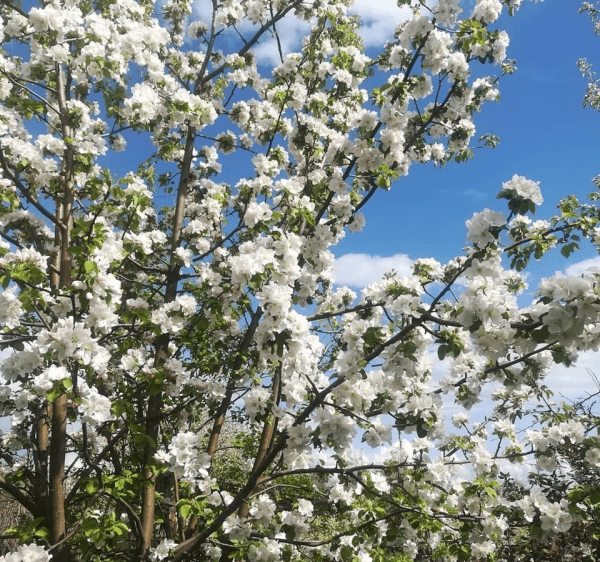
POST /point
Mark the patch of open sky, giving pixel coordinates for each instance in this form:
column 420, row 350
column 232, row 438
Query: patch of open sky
column 545, row 135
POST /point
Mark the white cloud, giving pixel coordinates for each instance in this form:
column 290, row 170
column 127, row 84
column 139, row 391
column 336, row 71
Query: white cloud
column 582, row 266
column 379, row 19
column 360, row 270
column 290, row 31
column 577, row 381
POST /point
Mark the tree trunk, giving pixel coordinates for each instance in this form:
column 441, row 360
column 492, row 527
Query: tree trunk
column 64, row 224
column 57, row 469
column 162, row 353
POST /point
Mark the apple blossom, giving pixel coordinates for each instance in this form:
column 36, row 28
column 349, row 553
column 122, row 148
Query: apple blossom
column 162, row 550
column 522, row 187
column 170, row 313
column 28, row 553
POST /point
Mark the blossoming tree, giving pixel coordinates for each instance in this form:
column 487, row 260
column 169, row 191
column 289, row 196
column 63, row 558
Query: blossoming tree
column 157, row 290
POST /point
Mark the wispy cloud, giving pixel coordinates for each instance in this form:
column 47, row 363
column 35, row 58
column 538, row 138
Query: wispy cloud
column 379, row 19
column 582, row 266
column 360, row 270
column 476, row 194
column 577, row 381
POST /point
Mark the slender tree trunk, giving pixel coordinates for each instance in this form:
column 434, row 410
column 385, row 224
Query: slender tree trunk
column 266, row 438
column 57, row 468
column 162, row 354
column 42, row 441
column 149, row 489
column 64, row 215
column 213, row 439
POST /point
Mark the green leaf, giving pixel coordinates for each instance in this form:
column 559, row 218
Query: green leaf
column 185, row 510
column 541, row 335
column 346, row 553
column 54, row 393
column 595, row 497
column 90, row 267
column 568, row 249
column 92, row 486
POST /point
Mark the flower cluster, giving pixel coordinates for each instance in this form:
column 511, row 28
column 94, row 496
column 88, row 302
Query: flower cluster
column 28, row 553
column 183, row 376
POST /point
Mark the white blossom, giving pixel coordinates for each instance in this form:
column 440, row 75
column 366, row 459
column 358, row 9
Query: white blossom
column 95, row 408
column 522, row 187
column 480, row 226
column 10, row 307
column 28, row 553
column 162, row 550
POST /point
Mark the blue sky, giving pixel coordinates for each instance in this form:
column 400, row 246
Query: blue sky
column 545, row 135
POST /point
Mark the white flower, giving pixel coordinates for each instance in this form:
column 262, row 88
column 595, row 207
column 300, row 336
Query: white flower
column 487, row 11
column 592, row 456
column 378, row 433
column 69, row 339
column 459, row 419
column 458, row 67
column 500, row 45
column 184, row 457
column 480, row 224
column 51, row 144
column 196, row 29
column 27, row 553
column 27, row 255
column 522, row 187
column 263, row 508
column 357, row 223
column 184, row 255
column 226, row 142
column 10, row 307
column 556, row 517
column 305, row 508
column 482, row 459
column 504, row 427
column 264, row 165
column 267, row 551
column 546, row 463
column 145, row 103
column 95, row 408
column 173, row 316
column 118, row 143
column 256, row 212
column 256, row 401
column 45, row 381
column 482, row 549
column 162, row 550
column 538, row 440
